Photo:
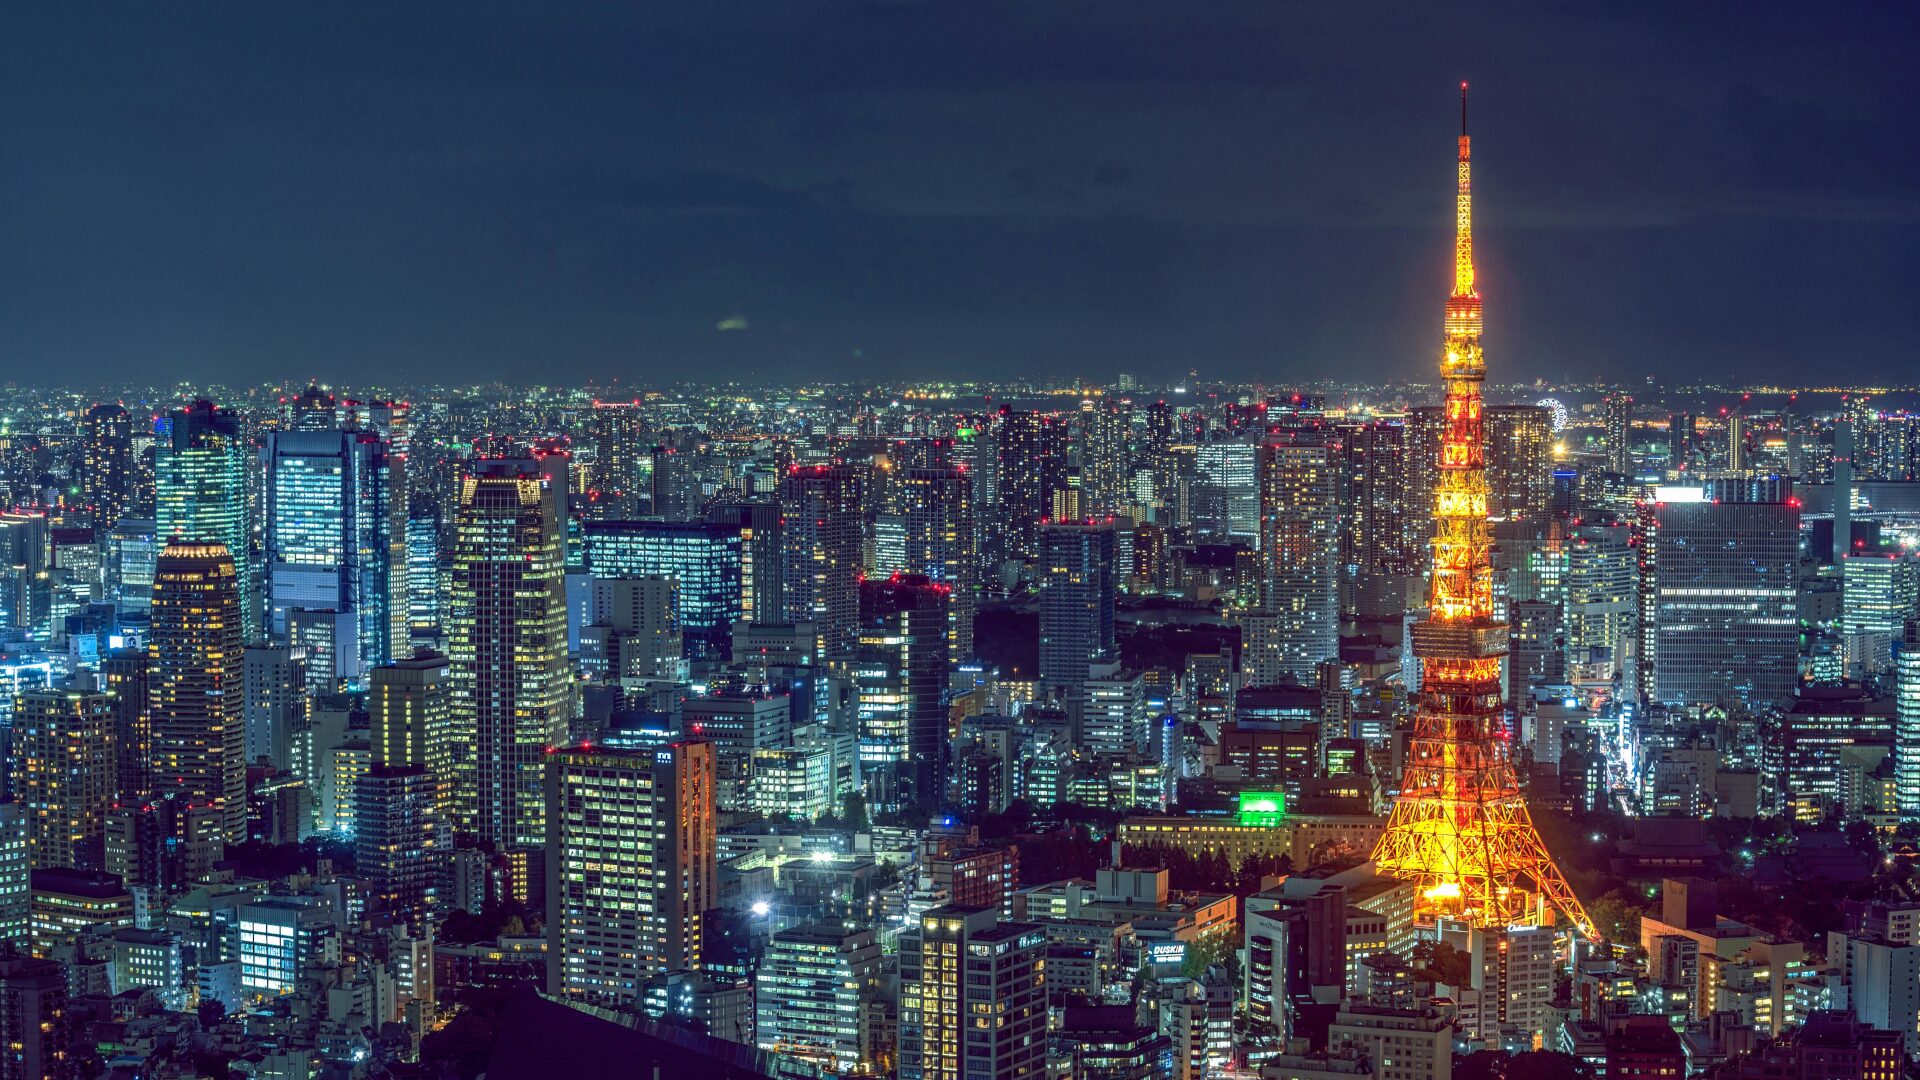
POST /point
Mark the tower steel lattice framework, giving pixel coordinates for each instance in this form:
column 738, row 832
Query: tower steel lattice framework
column 1460, row 829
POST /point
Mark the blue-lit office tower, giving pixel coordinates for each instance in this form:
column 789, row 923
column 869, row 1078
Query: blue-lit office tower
column 1076, row 607
column 201, row 466
column 1906, row 732
column 1725, row 624
column 423, row 577
column 26, row 593
column 1227, row 497
column 900, row 679
column 335, row 504
column 940, row 540
column 821, row 510
column 131, row 550
column 703, row 557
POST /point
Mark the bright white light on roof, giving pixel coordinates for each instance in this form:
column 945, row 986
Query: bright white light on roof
column 1678, row 493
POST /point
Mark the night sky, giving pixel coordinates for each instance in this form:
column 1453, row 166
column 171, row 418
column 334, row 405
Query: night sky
column 1258, row 190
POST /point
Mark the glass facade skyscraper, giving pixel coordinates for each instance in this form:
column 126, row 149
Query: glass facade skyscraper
column 201, row 496
column 1725, row 624
column 703, row 557
column 335, row 507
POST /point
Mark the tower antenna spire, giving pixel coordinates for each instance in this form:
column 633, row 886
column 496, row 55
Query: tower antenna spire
column 1463, row 108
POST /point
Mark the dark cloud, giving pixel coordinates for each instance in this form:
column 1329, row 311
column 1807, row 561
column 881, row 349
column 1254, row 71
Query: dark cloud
column 997, row 188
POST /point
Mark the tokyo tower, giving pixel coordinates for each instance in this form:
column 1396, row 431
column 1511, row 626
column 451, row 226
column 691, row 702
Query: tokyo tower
column 1460, row 829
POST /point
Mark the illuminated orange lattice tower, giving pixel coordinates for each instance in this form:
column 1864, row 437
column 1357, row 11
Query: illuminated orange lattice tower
column 1460, row 828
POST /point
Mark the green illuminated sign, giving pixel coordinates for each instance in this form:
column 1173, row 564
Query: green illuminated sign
column 1262, row 807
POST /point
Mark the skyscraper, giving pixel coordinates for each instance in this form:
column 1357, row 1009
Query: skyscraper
column 195, row 656
column 63, row 771
column 631, row 869
column 336, row 515
column 622, row 480
column 1031, row 465
column 1460, row 829
column 1617, row 411
column 821, row 524
column 126, row 675
column 702, row 557
column 936, row 506
column 1299, row 545
column 1227, row 496
column 1077, row 591
column 402, row 831
column 107, row 464
column 1103, row 456
column 200, row 492
column 276, row 702
column 507, row 623
column 1906, row 732
column 900, row 678
column 1725, row 629
column 1519, row 462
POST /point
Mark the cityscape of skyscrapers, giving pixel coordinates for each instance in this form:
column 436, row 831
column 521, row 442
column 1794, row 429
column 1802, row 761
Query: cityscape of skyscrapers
column 1125, row 721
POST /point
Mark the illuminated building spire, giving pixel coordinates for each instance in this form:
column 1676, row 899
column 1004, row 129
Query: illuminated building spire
column 1463, row 211
column 1460, row 828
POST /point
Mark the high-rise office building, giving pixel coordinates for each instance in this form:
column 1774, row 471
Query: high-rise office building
column 940, row 540
column 63, row 768
column 1227, row 496
column 410, row 713
column 26, row 559
column 107, row 465
column 809, row 992
column 702, row 558
column 1680, row 435
column 1617, row 414
column 197, row 676
column 424, row 577
column 1906, row 734
column 1299, row 546
column 631, row 869
column 822, row 508
column 632, row 627
column 335, row 520
column 1880, row 592
column 507, row 625
column 964, row 963
column 1601, row 588
column 276, row 702
column 402, row 846
column 900, row 679
column 762, row 562
column 201, row 467
column 1725, row 629
column 1077, row 591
